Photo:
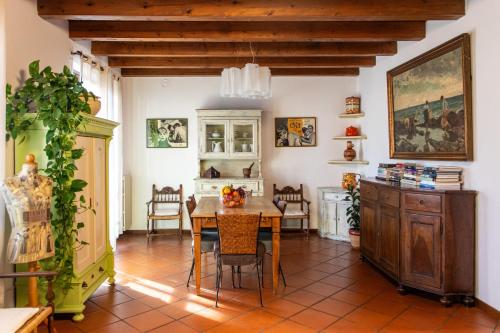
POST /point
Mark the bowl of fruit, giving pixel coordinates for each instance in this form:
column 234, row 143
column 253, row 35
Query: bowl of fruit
column 231, row 197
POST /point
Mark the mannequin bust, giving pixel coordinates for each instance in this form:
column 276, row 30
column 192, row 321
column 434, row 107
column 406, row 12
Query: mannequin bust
column 28, row 200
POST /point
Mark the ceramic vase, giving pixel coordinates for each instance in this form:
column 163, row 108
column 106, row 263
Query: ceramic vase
column 349, row 153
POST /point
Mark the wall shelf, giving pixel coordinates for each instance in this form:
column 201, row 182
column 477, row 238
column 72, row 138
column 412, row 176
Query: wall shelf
column 351, row 115
column 348, row 162
column 357, row 137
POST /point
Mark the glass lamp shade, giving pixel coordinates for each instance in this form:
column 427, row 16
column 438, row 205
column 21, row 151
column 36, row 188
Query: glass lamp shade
column 265, row 82
column 256, row 81
column 231, row 82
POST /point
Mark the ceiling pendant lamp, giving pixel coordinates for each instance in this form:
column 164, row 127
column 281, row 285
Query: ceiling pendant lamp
column 252, row 81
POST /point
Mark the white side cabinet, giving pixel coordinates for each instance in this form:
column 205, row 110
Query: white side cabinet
column 332, row 220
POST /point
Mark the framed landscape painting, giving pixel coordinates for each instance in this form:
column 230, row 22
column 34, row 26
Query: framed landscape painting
column 167, row 133
column 430, row 104
column 295, row 132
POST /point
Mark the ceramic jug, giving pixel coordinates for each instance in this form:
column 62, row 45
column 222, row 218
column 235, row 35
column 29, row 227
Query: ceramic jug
column 217, row 147
column 244, row 147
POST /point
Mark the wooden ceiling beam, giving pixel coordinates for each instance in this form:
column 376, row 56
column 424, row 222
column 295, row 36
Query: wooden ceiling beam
column 161, row 72
column 246, row 31
column 253, row 10
column 205, row 62
column 290, row 49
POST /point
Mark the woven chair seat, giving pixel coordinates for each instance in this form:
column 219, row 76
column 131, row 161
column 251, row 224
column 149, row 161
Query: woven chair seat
column 18, row 319
column 160, row 214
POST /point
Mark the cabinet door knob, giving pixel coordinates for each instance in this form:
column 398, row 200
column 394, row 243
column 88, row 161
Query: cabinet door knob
column 421, row 202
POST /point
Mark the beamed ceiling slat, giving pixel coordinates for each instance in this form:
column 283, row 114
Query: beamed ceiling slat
column 253, row 10
column 197, row 49
column 246, row 31
column 275, row 62
column 151, row 72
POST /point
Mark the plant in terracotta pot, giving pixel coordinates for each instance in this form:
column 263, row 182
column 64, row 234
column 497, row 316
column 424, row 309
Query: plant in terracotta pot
column 353, row 215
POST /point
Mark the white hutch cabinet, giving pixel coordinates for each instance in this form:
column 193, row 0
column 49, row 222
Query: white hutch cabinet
column 332, row 213
column 229, row 140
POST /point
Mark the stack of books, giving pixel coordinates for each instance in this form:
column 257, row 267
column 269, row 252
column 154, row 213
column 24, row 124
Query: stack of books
column 412, row 174
column 449, row 178
column 383, row 171
column 428, row 178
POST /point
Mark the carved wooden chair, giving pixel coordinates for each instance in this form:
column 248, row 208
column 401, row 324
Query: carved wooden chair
column 165, row 204
column 209, row 236
column 27, row 320
column 298, row 207
column 238, row 246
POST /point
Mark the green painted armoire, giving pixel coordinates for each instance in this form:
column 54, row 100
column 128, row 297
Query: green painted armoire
column 93, row 263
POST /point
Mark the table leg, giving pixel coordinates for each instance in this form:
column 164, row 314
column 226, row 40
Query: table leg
column 276, row 253
column 197, row 252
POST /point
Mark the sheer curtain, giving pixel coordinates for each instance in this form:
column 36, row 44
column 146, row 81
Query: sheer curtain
column 115, row 162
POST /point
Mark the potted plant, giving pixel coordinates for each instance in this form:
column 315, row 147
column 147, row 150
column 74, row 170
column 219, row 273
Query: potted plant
column 353, row 215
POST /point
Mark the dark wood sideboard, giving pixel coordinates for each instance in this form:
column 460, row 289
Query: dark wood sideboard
column 424, row 239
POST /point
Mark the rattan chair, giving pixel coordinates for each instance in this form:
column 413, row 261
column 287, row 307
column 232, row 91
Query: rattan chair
column 165, row 204
column 266, row 237
column 298, row 207
column 238, row 246
column 27, row 320
column 209, row 236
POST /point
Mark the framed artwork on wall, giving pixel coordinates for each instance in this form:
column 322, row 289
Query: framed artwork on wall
column 430, row 104
column 167, row 133
column 295, row 132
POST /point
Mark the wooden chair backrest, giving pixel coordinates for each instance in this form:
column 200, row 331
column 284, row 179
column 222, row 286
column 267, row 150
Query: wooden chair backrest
column 166, row 195
column 290, row 195
column 191, row 206
column 238, row 234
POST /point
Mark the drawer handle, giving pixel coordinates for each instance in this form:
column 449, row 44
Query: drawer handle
column 214, row 187
column 421, row 202
column 92, row 276
column 85, row 285
column 244, row 186
column 101, row 269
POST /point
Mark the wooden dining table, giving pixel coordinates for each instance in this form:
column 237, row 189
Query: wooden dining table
column 204, row 217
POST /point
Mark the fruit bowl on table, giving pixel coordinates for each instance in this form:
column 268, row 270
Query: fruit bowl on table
column 232, row 198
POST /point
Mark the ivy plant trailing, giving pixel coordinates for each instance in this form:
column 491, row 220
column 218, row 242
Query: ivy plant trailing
column 58, row 101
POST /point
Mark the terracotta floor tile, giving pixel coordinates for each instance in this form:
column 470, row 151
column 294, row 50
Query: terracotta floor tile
column 345, row 326
column 283, row 308
column 304, row 298
column 182, row 308
column 173, row 327
column 325, row 275
column 368, row 318
column 288, row 326
column 118, row 327
column 314, row 319
column 208, row 318
column 338, row 281
column 96, row 319
column 385, row 307
column 462, row 326
column 111, row 299
column 476, row 315
column 148, row 320
column 257, row 319
column 334, row 307
column 129, row 309
column 321, row 288
column 351, row 297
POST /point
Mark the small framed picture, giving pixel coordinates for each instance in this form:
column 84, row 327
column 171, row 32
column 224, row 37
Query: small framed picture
column 295, row 132
column 167, row 133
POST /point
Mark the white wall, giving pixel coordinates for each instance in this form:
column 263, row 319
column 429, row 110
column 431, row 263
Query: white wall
column 180, row 97
column 482, row 22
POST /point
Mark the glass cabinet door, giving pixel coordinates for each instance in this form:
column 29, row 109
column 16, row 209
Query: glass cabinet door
column 243, row 140
column 214, row 135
